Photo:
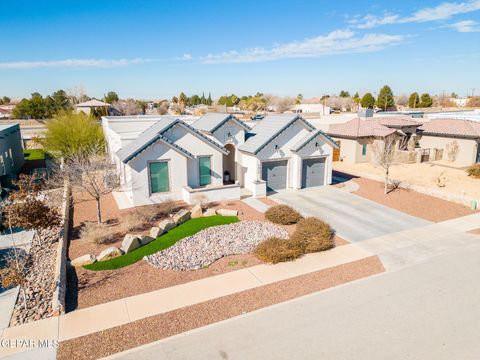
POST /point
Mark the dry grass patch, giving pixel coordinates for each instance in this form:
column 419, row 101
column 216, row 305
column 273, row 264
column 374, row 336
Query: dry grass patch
column 98, row 233
column 314, row 235
column 282, row 214
column 474, row 171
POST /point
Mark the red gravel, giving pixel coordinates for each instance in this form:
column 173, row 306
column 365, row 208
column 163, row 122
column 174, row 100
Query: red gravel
column 411, row 202
column 475, row 231
column 147, row 330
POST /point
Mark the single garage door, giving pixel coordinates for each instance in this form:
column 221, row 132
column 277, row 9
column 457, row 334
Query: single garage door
column 275, row 174
column 313, row 172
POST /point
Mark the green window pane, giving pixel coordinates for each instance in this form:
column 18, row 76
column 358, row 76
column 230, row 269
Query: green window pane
column 364, row 149
column 159, row 181
column 205, row 171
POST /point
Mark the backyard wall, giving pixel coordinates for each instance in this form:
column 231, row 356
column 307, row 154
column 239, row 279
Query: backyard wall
column 466, row 155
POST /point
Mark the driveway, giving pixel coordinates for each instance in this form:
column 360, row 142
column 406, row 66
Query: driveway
column 354, row 218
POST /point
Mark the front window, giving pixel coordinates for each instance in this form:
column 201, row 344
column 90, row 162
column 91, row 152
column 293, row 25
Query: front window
column 205, row 170
column 159, row 177
column 364, row 149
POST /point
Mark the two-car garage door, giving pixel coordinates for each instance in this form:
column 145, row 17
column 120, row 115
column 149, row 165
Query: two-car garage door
column 313, row 172
column 275, row 173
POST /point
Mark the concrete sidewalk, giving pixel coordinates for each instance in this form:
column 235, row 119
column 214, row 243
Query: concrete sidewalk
column 120, row 312
column 256, row 204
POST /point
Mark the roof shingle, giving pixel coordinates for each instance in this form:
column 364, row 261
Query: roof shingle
column 452, row 127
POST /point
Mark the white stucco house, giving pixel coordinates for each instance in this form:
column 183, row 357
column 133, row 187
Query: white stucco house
column 212, row 158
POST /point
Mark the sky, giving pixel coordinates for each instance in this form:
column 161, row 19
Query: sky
column 155, row 49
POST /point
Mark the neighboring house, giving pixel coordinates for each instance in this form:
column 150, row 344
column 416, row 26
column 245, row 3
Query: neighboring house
column 286, row 152
column 441, row 133
column 89, row 105
column 11, row 153
column 306, row 108
column 164, row 157
column 6, row 111
column 356, row 136
column 460, row 102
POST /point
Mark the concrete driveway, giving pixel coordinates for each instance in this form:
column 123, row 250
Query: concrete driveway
column 354, row 218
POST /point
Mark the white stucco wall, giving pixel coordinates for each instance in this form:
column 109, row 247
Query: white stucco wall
column 251, row 171
column 237, row 134
column 466, row 155
column 351, row 150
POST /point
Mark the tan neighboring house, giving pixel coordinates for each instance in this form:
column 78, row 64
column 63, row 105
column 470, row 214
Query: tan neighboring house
column 442, row 133
column 87, row 106
column 355, row 137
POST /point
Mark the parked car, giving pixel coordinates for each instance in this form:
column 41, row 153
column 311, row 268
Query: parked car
column 257, row 117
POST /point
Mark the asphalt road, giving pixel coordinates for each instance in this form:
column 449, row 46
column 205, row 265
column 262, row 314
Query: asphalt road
column 426, row 311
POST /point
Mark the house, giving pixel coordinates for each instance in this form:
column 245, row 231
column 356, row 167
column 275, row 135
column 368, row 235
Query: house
column 442, row 133
column 88, row 106
column 356, row 136
column 164, row 157
column 11, row 153
column 285, row 152
column 309, row 108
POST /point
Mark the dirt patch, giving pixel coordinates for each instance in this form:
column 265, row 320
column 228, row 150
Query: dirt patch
column 161, row 326
column 267, row 201
column 411, row 202
column 475, row 231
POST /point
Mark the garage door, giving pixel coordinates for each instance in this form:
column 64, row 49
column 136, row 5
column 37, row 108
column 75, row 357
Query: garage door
column 313, row 172
column 275, row 174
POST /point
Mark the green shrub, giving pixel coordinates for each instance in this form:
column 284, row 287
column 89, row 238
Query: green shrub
column 282, row 214
column 474, row 171
column 274, row 250
column 313, row 235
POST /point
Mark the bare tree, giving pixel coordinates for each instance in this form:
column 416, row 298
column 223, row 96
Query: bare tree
column 90, row 174
column 127, row 107
column 452, row 150
column 77, row 94
column 384, row 155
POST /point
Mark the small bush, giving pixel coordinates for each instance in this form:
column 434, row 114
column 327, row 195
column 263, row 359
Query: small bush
column 97, row 233
column 282, row 214
column 145, row 215
column 314, row 235
column 474, row 171
column 274, row 250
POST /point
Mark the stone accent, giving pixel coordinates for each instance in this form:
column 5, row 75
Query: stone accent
column 196, row 212
column 227, row 212
column 166, row 225
column 83, row 260
column 210, row 212
column 145, row 239
column 109, row 253
column 181, row 216
column 130, row 242
column 155, row 232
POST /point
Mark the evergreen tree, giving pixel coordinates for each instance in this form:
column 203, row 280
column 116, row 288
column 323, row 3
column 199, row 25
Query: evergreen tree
column 425, row 100
column 209, row 100
column 344, row 94
column 202, row 99
column 368, row 101
column 413, row 100
column 385, row 98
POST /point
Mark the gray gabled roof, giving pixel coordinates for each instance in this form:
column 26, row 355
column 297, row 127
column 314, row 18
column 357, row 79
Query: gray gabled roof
column 268, row 129
column 302, row 143
column 155, row 133
column 212, row 121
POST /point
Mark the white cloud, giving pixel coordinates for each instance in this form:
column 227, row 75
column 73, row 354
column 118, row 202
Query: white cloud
column 336, row 42
column 73, row 63
column 465, row 26
column 184, row 57
column 443, row 11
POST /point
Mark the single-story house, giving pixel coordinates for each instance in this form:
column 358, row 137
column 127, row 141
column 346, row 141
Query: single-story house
column 442, row 133
column 164, row 157
column 11, row 153
column 89, row 105
column 356, row 136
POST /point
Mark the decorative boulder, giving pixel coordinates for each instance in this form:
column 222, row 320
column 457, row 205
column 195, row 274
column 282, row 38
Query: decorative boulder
column 130, row 242
column 83, row 260
column 181, row 216
column 145, row 239
column 155, row 232
column 227, row 212
column 210, row 212
column 196, row 212
column 109, row 253
column 166, row 225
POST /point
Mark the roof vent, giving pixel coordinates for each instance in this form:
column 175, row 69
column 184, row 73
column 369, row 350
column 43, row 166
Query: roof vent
column 365, row 113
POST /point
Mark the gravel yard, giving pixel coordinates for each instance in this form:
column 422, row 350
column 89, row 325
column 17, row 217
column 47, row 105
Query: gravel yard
column 206, row 246
column 144, row 331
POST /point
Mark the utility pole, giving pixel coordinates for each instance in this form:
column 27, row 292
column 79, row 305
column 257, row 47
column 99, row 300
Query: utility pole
column 443, row 97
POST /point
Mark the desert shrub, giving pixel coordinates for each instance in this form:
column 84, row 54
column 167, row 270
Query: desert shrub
column 97, row 233
column 474, row 171
column 274, row 250
column 282, row 214
column 313, row 235
column 145, row 215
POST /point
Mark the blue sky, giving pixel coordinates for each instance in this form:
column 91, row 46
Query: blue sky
column 155, row 49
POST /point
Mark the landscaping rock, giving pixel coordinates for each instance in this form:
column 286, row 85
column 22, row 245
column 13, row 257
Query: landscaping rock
column 83, row 260
column 181, row 216
column 145, row 239
column 109, row 253
column 227, row 212
column 196, row 212
column 210, row 212
column 166, row 225
column 155, row 232
column 210, row 244
column 130, row 242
